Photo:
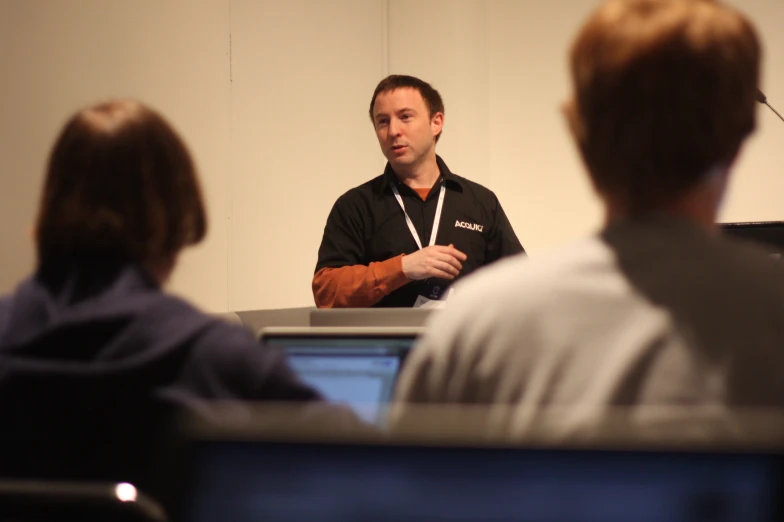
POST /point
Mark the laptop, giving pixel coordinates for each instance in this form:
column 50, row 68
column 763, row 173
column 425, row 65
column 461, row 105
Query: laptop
column 767, row 234
column 247, row 477
column 370, row 317
column 354, row 366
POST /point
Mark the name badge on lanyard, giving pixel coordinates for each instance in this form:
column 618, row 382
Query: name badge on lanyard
column 430, row 297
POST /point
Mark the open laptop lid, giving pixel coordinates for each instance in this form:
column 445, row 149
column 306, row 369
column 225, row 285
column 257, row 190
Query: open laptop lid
column 355, row 366
column 767, row 234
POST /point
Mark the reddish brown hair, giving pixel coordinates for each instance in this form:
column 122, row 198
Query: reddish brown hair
column 664, row 90
column 120, row 183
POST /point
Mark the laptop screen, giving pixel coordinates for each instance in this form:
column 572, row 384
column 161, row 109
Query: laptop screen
column 360, row 371
column 248, row 481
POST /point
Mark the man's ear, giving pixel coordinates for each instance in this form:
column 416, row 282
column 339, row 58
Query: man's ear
column 437, row 123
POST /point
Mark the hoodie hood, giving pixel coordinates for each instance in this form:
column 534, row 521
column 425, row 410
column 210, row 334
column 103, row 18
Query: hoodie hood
column 99, row 318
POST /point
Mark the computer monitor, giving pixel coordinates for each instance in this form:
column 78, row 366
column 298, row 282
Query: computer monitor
column 355, row 366
column 248, row 480
column 767, row 234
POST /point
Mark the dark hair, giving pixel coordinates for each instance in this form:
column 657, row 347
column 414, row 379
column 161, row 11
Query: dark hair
column 121, row 184
column 431, row 96
column 664, row 90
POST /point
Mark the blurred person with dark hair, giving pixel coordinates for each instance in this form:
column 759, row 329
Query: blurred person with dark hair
column 402, row 238
column 657, row 309
column 91, row 347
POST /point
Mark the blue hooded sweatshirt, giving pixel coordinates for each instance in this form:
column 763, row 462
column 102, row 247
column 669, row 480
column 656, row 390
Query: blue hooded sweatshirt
column 94, row 359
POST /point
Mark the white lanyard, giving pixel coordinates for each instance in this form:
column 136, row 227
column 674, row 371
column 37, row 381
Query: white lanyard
column 436, row 220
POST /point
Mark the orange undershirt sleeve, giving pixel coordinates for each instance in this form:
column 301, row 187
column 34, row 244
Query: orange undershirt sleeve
column 360, row 286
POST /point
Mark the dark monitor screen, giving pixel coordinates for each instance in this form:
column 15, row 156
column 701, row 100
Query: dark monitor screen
column 768, row 234
column 251, row 481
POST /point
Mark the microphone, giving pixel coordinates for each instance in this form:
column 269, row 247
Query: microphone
column 764, row 100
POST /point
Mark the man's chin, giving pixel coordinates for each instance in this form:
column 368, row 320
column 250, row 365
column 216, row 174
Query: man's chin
column 400, row 161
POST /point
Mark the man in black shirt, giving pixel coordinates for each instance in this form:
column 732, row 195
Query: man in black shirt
column 403, row 237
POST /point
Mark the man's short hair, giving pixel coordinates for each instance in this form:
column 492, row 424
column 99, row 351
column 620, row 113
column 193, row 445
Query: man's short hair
column 664, row 90
column 120, row 184
column 431, row 96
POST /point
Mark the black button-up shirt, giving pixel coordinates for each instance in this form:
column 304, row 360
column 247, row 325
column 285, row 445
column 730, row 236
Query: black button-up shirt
column 366, row 224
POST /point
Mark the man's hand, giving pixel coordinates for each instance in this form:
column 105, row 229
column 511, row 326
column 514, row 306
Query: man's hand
column 443, row 262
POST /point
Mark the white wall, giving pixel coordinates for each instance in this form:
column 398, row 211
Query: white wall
column 58, row 56
column 303, row 72
column 534, row 163
column 277, row 120
column 445, row 43
column 759, row 176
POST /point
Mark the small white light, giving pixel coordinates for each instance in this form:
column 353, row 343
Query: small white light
column 125, row 492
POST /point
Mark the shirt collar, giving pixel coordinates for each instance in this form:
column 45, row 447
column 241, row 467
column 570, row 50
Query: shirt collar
column 447, row 176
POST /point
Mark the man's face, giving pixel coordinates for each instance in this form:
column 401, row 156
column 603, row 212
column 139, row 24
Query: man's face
column 404, row 128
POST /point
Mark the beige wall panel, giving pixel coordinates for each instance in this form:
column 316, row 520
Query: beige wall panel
column 534, row 164
column 58, row 56
column 758, row 183
column 444, row 42
column 303, row 73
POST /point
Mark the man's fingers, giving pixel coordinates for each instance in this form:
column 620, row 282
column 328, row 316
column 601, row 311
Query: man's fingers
column 438, row 268
column 435, row 272
column 452, row 251
column 447, row 267
column 439, row 261
column 450, row 260
column 458, row 254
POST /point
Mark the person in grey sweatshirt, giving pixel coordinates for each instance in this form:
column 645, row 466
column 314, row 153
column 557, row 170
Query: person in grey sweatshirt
column 657, row 311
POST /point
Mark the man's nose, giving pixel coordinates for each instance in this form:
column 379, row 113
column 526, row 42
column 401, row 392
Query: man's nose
column 394, row 127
